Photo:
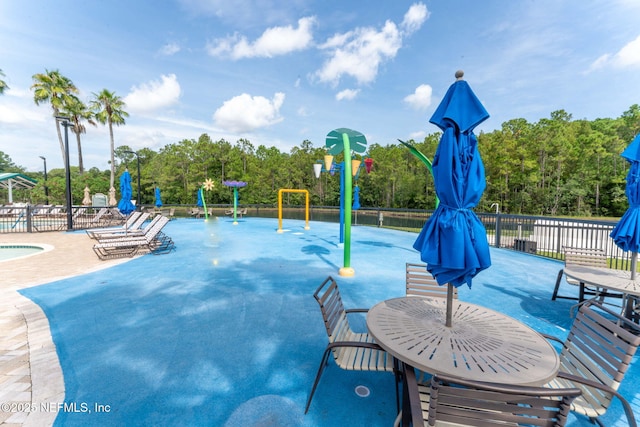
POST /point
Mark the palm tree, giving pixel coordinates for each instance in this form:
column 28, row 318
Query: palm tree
column 3, row 84
column 108, row 108
column 56, row 89
column 78, row 112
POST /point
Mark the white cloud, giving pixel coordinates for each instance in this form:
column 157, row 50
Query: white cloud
column 360, row 53
column 414, row 18
column 17, row 114
column 628, row 56
column 17, row 107
column 347, row 94
column 420, row 99
column 153, row 95
column 170, row 49
column 245, row 113
column 274, row 41
column 418, row 136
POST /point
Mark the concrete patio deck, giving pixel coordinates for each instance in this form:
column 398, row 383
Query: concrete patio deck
column 31, row 382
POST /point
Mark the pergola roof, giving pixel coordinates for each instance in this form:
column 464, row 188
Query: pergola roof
column 16, row 180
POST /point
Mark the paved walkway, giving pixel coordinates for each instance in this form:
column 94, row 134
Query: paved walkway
column 31, row 382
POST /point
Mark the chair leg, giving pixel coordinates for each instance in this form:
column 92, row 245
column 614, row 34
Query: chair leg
column 323, row 363
column 558, row 280
column 398, row 378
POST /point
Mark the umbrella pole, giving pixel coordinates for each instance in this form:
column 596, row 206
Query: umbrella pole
column 634, row 265
column 449, row 304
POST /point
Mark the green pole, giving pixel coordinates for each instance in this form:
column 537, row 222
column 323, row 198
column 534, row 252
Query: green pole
column 346, row 270
column 204, row 204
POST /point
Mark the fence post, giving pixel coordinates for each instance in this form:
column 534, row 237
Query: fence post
column 498, row 230
column 29, row 217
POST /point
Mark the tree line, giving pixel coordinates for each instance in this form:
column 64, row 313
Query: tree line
column 556, row 166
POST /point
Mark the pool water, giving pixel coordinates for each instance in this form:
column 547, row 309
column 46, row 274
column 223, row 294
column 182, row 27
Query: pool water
column 8, row 252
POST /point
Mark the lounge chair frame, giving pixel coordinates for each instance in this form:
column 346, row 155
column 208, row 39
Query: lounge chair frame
column 133, row 222
column 153, row 241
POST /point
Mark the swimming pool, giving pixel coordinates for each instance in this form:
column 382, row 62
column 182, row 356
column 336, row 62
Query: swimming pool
column 14, row 251
column 225, row 331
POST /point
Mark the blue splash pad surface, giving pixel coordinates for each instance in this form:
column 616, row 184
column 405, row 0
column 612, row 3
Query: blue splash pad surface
column 225, row 331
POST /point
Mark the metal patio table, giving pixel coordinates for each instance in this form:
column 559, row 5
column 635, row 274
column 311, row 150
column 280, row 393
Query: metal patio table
column 610, row 280
column 482, row 344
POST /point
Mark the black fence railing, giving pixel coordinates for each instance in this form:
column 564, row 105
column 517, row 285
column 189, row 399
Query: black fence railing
column 538, row 235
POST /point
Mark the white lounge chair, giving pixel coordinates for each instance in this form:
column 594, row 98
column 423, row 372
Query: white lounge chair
column 140, row 232
column 153, row 240
column 134, row 222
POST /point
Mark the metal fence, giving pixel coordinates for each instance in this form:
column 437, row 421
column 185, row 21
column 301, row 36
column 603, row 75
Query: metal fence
column 538, row 235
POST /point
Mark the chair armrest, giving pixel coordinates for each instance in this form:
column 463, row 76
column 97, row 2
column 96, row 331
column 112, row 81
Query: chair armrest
column 552, row 338
column 625, row 405
column 370, row 345
column 357, row 310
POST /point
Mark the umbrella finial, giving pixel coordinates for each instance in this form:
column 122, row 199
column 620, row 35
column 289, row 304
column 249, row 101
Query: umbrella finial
column 459, row 75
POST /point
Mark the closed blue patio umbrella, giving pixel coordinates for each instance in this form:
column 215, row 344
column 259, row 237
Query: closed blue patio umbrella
column 158, row 198
column 199, row 202
column 626, row 233
column 453, row 242
column 124, row 205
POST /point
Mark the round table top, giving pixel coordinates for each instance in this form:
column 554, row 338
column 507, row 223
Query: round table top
column 619, row 280
column 481, row 344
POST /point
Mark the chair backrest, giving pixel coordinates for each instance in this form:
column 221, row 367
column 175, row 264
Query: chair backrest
column 132, row 218
column 473, row 403
column 99, row 200
column 98, row 216
column 585, row 257
column 140, row 219
column 600, row 347
column 420, row 282
column 155, row 227
column 333, row 311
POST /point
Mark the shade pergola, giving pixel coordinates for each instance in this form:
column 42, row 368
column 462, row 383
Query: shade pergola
column 16, row 180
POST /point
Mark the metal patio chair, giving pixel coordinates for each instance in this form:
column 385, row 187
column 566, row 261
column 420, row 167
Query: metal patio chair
column 449, row 401
column 595, row 357
column 351, row 350
column 419, row 282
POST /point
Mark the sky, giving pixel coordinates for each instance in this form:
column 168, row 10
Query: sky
column 280, row 72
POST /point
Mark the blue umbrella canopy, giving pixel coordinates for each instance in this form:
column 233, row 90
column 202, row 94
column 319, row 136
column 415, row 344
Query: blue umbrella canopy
column 124, row 205
column 158, row 198
column 199, row 202
column 453, row 242
column 626, row 233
